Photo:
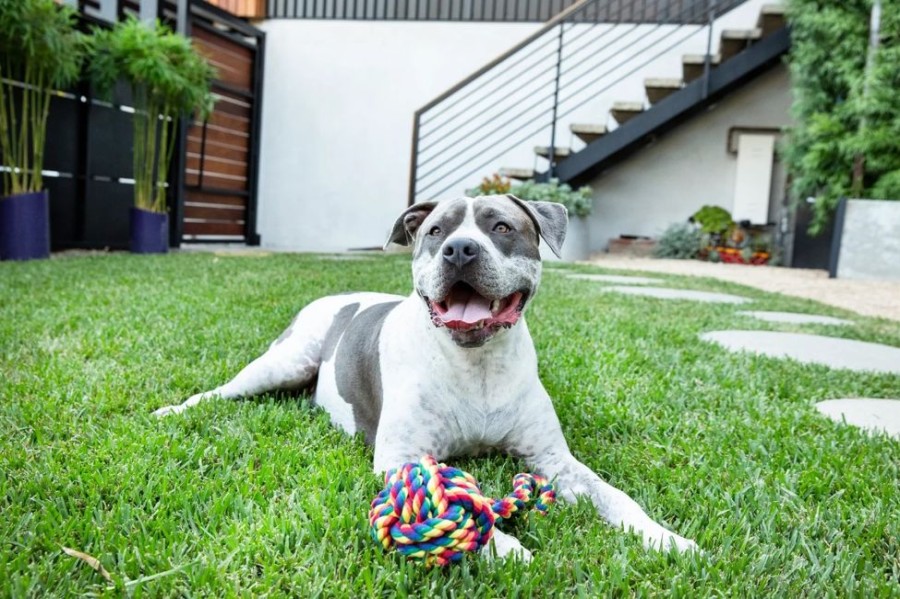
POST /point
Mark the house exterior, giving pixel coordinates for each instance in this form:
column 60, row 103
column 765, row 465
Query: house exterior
column 340, row 92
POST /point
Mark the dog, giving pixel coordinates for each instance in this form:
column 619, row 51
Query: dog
column 451, row 369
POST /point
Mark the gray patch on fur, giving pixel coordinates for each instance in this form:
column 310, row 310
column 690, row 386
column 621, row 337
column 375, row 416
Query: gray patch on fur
column 521, row 240
column 357, row 367
column 337, row 328
column 448, row 217
column 551, row 220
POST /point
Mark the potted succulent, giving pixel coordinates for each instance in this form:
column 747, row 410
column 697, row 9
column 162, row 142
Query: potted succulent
column 578, row 203
column 40, row 52
column 168, row 80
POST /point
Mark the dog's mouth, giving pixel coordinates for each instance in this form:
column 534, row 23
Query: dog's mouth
column 464, row 309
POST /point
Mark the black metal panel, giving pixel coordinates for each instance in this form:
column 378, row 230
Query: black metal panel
column 110, row 142
column 61, row 151
column 810, row 251
column 106, row 214
column 523, row 11
column 65, row 222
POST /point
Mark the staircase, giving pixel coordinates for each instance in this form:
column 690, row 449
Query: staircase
column 532, row 90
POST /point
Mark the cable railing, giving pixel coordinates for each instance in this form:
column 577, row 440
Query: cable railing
column 524, row 94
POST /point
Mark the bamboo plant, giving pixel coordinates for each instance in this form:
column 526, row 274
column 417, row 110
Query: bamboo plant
column 168, row 80
column 40, row 52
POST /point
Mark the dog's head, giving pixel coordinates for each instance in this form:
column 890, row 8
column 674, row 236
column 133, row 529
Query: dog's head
column 476, row 262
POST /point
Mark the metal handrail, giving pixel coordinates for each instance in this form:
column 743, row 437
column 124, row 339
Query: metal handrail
column 475, row 120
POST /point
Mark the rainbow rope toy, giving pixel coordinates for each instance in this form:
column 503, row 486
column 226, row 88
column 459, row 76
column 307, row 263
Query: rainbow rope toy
column 437, row 513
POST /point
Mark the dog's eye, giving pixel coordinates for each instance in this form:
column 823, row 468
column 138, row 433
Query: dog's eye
column 501, row 228
column 435, row 231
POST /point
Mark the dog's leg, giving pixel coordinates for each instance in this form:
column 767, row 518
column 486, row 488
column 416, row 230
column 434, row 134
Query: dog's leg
column 551, row 457
column 291, row 362
column 574, row 479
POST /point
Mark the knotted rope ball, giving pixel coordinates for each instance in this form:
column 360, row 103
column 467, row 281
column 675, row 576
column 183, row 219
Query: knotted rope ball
column 436, row 513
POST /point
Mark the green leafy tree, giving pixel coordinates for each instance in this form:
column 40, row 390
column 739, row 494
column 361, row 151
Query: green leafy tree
column 40, row 52
column 848, row 119
column 168, row 80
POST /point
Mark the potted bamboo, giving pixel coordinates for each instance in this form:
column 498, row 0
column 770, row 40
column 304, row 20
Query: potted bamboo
column 168, row 80
column 40, row 52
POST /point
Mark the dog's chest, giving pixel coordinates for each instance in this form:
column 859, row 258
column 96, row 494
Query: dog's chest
column 466, row 408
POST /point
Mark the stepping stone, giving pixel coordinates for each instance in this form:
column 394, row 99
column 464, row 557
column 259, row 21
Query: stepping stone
column 679, row 294
column 623, row 279
column 812, row 349
column 796, row 318
column 876, row 415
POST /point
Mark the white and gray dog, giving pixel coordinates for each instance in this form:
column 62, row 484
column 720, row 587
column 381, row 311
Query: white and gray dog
column 450, row 369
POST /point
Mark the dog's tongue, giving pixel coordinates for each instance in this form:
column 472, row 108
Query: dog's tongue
column 464, row 305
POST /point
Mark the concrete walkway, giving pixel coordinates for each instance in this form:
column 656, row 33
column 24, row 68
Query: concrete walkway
column 870, row 298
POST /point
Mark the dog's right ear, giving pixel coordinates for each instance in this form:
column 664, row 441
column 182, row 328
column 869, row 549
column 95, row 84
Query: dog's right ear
column 408, row 223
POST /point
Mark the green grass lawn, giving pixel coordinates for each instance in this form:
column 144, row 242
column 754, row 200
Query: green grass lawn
column 263, row 497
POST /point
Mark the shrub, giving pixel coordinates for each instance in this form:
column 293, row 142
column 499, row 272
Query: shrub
column 578, row 202
column 714, row 220
column 168, row 80
column 40, row 47
column 681, row 240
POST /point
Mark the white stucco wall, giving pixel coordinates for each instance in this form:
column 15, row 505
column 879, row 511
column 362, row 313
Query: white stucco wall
column 339, row 99
column 690, row 166
column 338, row 105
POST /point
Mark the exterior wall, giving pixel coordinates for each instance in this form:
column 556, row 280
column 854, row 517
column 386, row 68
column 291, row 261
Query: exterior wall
column 339, row 100
column 870, row 240
column 337, row 121
column 690, row 166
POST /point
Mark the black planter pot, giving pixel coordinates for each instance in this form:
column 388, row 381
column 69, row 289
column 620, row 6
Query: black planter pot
column 25, row 226
column 149, row 232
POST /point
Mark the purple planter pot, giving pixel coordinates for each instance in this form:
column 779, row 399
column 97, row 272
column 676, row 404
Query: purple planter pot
column 149, row 232
column 25, row 226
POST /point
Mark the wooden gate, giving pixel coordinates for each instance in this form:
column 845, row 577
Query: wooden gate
column 221, row 158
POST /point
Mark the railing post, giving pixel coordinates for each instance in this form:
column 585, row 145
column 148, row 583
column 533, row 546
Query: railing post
column 711, row 18
column 551, row 155
column 414, row 158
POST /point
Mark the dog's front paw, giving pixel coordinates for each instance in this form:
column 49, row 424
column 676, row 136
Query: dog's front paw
column 504, row 545
column 669, row 540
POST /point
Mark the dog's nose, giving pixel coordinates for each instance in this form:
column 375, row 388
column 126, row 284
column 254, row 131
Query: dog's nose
column 460, row 251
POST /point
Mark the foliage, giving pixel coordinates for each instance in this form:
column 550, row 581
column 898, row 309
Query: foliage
column 577, row 202
column 40, row 48
column 168, row 80
column 681, row 241
column 493, row 185
column 839, row 123
column 713, row 220
column 265, row 497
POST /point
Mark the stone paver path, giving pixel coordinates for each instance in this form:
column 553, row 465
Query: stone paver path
column 679, row 294
column 795, row 318
column 869, row 414
column 812, row 349
column 622, row 279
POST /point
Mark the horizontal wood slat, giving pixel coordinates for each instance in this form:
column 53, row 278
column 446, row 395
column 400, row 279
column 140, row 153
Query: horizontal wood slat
column 230, row 138
column 195, row 228
column 216, row 150
column 214, row 213
column 249, row 9
column 233, row 63
column 217, row 167
column 199, row 197
column 227, row 121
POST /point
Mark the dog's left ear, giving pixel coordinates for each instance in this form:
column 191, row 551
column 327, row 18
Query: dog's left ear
column 408, row 223
column 551, row 220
